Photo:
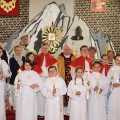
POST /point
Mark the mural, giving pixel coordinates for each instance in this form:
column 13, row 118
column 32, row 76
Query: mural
column 55, row 27
column 102, row 44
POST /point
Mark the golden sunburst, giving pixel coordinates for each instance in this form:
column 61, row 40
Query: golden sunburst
column 52, row 36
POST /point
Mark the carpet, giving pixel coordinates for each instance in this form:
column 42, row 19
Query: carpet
column 11, row 116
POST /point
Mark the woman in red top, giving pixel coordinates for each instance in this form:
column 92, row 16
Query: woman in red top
column 31, row 56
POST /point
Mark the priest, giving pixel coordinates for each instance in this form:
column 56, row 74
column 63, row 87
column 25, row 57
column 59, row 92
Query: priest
column 64, row 70
column 114, row 98
column 53, row 89
column 44, row 60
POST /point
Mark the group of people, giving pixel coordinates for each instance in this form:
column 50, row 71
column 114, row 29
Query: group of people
column 44, row 86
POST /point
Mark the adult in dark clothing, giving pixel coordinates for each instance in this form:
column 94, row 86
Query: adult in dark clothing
column 15, row 62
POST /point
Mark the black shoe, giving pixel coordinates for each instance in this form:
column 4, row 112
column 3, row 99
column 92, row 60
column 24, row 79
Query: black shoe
column 40, row 116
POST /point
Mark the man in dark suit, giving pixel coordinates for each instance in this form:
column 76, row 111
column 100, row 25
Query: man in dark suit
column 15, row 62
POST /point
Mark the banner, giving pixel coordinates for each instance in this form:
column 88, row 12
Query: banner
column 8, row 7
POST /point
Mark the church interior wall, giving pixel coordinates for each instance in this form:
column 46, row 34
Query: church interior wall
column 108, row 21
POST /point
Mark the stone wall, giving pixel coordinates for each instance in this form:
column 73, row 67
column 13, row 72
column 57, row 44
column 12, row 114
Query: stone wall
column 108, row 22
column 12, row 24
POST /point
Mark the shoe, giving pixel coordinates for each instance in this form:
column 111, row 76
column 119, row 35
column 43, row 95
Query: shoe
column 40, row 116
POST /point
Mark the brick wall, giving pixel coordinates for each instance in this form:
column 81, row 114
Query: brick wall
column 12, row 24
column 108, row 22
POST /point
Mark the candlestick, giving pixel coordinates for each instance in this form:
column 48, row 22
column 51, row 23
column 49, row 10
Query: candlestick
column 88, row 78
column 19, row 76
column 112, row 78
column 97, row 77
column 88, row 94
column 53, row 79
column 88, row 83
column 119, row 75
column 1, row 68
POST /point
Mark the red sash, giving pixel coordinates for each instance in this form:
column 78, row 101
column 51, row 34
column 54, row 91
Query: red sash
column 107, row 67
column 36, row 68
column 81, row 62
column 49, row 59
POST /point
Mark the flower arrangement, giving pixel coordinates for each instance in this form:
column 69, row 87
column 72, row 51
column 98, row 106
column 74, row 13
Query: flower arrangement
column 53, row 50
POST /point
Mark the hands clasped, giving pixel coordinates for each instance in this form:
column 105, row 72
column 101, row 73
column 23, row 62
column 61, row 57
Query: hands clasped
column 96, row 88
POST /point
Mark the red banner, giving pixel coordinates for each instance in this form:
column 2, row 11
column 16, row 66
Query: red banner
column 9, row 7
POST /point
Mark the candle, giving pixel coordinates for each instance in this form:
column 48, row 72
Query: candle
column 88, row 94
column 112, row 78
column 1, row 67
column 88, row 82
column 88, row 78
column 53, row 79
column 97, row 77
column 113, row 69
column 19, row 76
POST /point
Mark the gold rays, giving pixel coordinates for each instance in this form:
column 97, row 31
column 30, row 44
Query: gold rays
column 52, row 36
